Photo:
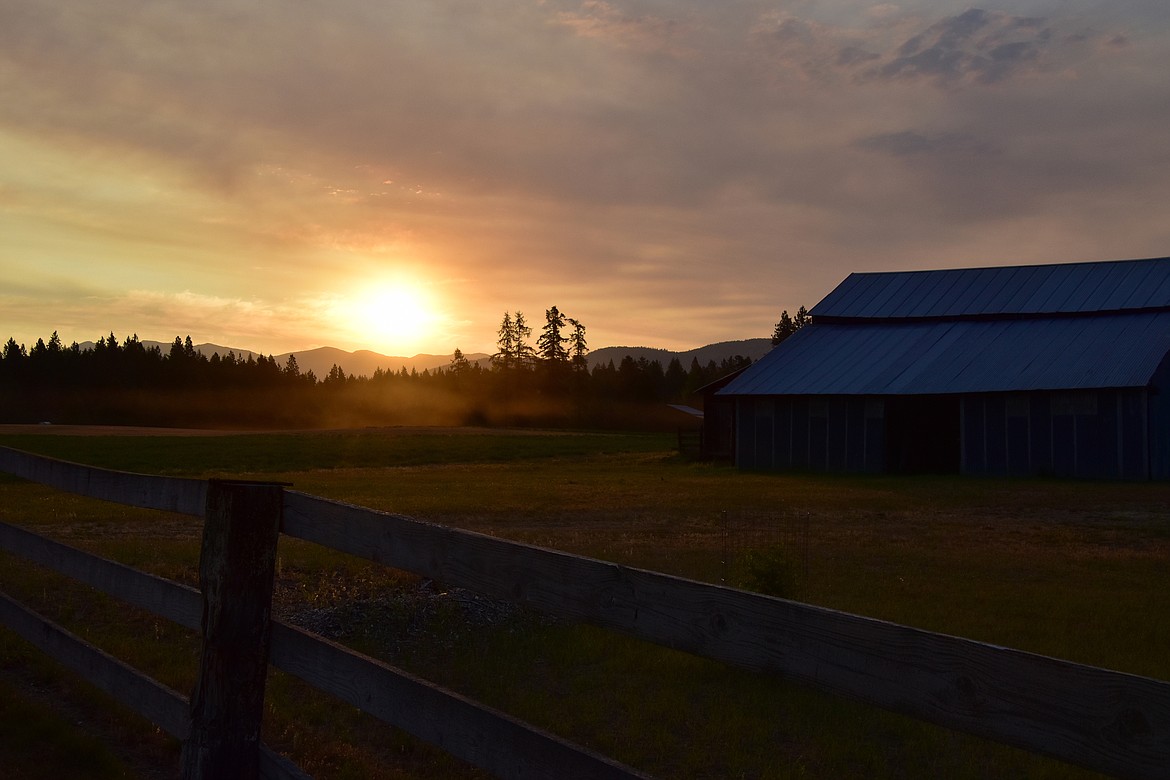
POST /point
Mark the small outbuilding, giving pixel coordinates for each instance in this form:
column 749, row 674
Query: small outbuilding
column 1020, row 370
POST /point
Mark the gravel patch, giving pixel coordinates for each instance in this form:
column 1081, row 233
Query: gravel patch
column 409, row 617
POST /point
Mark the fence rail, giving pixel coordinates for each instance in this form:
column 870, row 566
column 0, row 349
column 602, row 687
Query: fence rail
column 1096, row 718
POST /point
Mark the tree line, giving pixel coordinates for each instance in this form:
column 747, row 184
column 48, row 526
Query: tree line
column 127, row 382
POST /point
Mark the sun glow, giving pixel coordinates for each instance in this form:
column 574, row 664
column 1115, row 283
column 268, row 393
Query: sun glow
column 394, row 317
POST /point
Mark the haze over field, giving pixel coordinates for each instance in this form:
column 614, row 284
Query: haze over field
column 394, row 176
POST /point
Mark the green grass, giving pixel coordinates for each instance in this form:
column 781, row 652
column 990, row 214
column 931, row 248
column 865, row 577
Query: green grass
column 1071, row 569
column 236, row 454
column 62, row 749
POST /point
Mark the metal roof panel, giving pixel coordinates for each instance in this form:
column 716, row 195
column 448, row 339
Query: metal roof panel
column 938, row 357
column 1070, row 288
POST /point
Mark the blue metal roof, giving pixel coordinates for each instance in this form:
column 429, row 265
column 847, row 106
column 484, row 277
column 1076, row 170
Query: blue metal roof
column 1070, row 288
column 964, row 356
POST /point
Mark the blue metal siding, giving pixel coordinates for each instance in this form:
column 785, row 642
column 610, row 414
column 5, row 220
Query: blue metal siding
column 1088, row 434
column 1157, row 419
column 782, row 428
column 995, row 437
column 1067, row 288
column 818, row 434
column 1017, row 442
column 1040, row 428
column 972, row 446
column 855, row 450
column 745, row 428
column 929, row 358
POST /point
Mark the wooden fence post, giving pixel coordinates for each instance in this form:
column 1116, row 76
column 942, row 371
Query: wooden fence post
column 236, row 567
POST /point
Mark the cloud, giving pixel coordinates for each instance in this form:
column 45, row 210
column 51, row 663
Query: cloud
column 906, row 143
column 976, row 47
column 983, row 47
column 605, row 21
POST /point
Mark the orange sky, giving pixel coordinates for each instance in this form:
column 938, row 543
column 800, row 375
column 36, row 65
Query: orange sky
column 276, row 176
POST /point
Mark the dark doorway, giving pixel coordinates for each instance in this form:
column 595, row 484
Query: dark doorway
column 922, row 434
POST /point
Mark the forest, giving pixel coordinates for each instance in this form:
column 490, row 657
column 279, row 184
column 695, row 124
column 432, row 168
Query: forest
column 126, row 382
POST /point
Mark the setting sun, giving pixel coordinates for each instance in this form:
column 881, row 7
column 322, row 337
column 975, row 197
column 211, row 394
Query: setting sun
column 395, row 316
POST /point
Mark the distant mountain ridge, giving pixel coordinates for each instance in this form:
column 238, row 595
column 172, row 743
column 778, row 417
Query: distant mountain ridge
column 720, row 351
column 364, row 362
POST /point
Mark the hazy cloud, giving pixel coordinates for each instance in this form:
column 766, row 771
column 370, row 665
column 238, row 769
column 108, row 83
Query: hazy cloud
column 606, row 21
column 907, row 143
column 981, row 46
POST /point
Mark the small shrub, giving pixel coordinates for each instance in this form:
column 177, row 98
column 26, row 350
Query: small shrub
column 771, row 571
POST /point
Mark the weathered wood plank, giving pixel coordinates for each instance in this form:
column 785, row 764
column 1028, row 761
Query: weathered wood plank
column 162, row 597
column 1096, row 718
column 274, row 766
column 169, row 494
column 483, row 737
column 153, row 700
column 236, row 568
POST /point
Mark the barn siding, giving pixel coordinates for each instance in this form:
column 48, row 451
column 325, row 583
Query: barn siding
column 855, row 430
column 1040, row 434
column 995, row 437
column 841, row 433
column 1085, row 434
column 800, row 433
column 1018, row 434
column 1134, row 451
column 875, row 434
column 1158, row 421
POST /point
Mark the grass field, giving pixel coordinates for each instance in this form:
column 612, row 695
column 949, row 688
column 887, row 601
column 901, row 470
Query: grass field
column 1075, row 570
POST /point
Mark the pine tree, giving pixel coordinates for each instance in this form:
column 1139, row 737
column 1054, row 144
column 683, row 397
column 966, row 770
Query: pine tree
column 551, row 344
column 291, row 368
column 505, row 356
column 789, row 325
column 513, row 349
column 578, row 348
column 525, row 354
column 802, row 318
column 459, row 363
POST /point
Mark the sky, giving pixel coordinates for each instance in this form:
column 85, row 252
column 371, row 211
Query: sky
column 278, row 175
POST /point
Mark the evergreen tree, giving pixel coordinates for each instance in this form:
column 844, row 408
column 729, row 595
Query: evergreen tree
column 513, row 349
column 14, row 352
column 525, row 354
column 459, row 363
column 789, row 325
column 291, row 368
column 505, row 356
column 802, row 318
column 578, row 348
column 675, row 379
column 551, row 344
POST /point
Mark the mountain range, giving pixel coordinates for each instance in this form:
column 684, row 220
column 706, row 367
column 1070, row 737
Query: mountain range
column 363, row 362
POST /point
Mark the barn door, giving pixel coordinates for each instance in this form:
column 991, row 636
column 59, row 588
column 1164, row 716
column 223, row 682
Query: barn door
column 922, row 434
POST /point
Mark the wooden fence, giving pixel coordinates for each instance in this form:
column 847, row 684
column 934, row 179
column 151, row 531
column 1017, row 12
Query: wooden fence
column 1103, row 720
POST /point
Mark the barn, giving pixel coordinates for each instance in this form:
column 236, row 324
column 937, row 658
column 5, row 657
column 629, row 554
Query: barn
column 1022, row 370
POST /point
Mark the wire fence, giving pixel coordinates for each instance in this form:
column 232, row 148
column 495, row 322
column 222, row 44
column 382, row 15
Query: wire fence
column 765, row 553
